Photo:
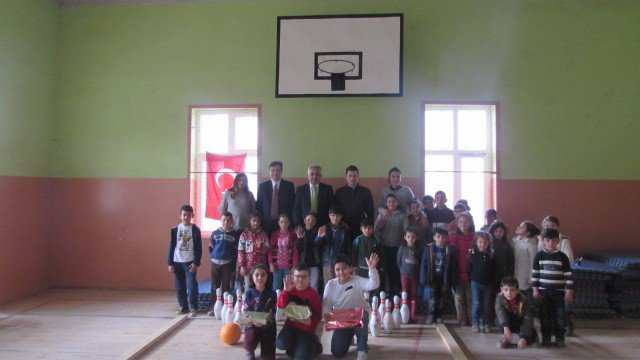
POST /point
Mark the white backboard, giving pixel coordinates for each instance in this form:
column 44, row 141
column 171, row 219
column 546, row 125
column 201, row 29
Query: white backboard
column 368, row 46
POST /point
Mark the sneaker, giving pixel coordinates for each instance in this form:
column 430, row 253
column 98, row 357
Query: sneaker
column 439, row 320
column 211, row 313
column 559, row 343
column 546, row 342
column 249, row 355
column 429, row 320
column 182, row 311
column 362, row 355
column 502, row 343
column 486, row 328
column 193, row 313
column 475, row 328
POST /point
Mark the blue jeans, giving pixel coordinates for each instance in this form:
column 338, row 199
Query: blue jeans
column 184, row 279
column 481, row 298
column 341, row 339
column 297, row 343
column 278, row 278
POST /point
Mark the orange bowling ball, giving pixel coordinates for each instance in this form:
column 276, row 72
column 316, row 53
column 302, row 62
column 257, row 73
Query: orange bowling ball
column 230, row 333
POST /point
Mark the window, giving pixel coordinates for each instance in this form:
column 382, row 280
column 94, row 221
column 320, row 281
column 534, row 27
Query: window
column 460, row 154
column 223, row 130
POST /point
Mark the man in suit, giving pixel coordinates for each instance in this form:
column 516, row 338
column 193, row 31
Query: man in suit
column 275, row 196
column 314, row 196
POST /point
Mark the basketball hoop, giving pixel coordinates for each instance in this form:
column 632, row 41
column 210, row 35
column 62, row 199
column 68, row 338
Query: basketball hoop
column 337, row 69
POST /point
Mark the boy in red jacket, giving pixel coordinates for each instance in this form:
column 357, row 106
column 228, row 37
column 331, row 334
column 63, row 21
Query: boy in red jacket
column 298, row 338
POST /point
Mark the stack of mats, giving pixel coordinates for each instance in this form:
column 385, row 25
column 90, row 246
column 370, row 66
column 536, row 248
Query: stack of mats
column 624, row 288
column 205, row 302
column 590, row 281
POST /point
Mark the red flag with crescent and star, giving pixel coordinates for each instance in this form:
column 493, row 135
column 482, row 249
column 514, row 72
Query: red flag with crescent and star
column 221, row 171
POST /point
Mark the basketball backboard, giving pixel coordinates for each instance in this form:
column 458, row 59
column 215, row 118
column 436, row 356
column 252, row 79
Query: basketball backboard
column 339, row 55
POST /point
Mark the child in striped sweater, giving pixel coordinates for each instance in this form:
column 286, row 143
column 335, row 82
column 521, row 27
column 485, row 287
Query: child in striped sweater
column 552, row 282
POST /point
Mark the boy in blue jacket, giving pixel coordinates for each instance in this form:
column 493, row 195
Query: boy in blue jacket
column 223, row 248
column 438, row 273
column 185, row 252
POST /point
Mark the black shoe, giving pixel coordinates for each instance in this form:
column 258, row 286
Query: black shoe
column 184, row 310
column 318, row 345
column 559, row 343
column 546, row 342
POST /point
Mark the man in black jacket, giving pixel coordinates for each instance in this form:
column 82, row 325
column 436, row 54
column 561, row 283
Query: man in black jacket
column 355, row 200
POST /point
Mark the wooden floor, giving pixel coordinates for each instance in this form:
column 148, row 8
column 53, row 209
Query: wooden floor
column 86, row 323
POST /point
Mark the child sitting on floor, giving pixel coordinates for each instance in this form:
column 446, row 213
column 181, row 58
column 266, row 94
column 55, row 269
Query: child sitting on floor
column 514, row 313
column 260, row 298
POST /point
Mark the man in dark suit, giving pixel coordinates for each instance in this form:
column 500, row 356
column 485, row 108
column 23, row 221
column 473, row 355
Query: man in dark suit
column 270, row 203
column 314, row 196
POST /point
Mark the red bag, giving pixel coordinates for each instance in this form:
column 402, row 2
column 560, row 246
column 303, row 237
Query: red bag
column 344, row 319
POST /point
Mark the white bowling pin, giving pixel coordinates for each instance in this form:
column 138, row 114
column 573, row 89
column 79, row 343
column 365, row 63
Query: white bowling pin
column 381, row 309
column 405, row 313
column 230, row 310
column 387, row 320
column 374, row 319
column 238, row 294
column 397, row 319
column 225, row 307
column 239, row 306
column 279, row 316
column 218, row 306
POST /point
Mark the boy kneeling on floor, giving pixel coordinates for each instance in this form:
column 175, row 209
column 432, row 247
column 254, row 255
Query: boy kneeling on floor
column 514, row 313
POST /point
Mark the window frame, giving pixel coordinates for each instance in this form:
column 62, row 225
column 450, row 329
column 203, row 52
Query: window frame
column 491, row 187
column 194, row 190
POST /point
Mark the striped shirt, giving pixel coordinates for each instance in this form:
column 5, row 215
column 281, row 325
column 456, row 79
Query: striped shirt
column 551, row 271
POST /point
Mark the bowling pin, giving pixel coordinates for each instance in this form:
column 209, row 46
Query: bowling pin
column 388, row 321
column 230, row 310
column 279, row 316
column 397, row 319
column 381, row 310
column 374, row 320
column 225, row 305
column 218, row 305
column 238, row 294
column 239, row 306
column 405, row 313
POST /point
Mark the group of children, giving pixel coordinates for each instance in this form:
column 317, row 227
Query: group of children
column 472, row 265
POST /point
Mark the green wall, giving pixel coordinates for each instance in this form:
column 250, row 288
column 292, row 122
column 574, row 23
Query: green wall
column 27, row 44
column 565, row 74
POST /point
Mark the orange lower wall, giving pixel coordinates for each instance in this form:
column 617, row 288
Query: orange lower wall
column 597, row 215
column 25, row 237
column 114, row 232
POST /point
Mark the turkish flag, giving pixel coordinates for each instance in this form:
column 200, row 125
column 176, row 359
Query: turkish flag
column 221, row 171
